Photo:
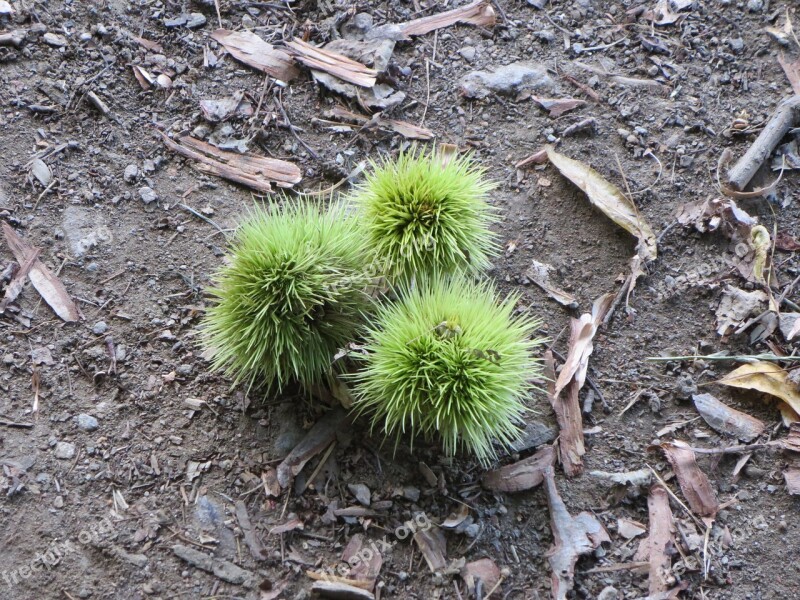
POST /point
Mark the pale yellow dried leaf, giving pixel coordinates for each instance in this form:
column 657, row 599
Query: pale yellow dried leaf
column 765, row 377
column 608, row 198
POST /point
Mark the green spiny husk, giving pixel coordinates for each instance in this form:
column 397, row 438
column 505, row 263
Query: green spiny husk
column 291, row 294
column 448, row 361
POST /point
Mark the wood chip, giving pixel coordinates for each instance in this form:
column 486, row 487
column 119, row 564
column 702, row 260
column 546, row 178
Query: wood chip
column 225, row 570
column 572, row 538
column 250, row 537
column 253, row 171
column 253, row 51
column 45, row 282
column 630, row 529
column 659, row 542
column 334, row 63
column 694, row 484
column 478, row 13
column 522, row 475
column 727, row 420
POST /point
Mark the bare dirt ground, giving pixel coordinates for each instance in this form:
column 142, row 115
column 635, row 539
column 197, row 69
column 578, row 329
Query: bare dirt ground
column 108, row 495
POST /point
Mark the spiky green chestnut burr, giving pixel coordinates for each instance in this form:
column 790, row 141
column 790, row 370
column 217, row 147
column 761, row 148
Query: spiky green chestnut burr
column 422, row 214
column 291, row 294
column 449, row 361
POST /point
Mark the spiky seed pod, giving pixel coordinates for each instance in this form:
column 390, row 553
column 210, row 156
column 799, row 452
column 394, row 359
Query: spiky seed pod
column 448, row 360
column 423, row 214
column 291, row 294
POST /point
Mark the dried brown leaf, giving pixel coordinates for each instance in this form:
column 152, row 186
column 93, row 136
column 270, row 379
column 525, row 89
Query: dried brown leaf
column 727, row 420
column 484, row 569
column 609, row 199
column 539, row 273
column 765, row 377
column 45, row 282
column 522, row 475
column 792, row 70
column 572, row 537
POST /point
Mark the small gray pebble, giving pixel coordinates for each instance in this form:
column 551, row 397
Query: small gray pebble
column 131, row 173
column 65, row 450
column 100, row 328
column 147, row 195
column 87, row 422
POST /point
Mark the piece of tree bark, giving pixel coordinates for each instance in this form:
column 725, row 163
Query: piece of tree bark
column 568, row 414
column 660, row 537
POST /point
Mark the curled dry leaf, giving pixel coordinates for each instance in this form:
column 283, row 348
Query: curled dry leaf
column 609, row 199
column 694, row 484
column 572, row 537
column 457, row 517
column 143, row 76
column 714, row 214
column 522, row 475
column 568, row 415
column 765, row 377
column 727, row 420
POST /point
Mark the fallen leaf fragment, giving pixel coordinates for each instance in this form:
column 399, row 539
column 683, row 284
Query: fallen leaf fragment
column 765, row 377
column 521, row 475
column 659, row 541
column 609, row 199
column 250, row 49
column 630, row 529
column 485, row 570
column 143, row 76
column 736, row 306
column 558, row 106
column 538, row 158
column 727, row 420
column 334, row 63
column 404, row 128
column 572, row 537
column 539, row 273
column 316, row 440
column 786, row 242
column 250, row 170
column 715, row 213
column 795, row 330
column 478, row 13
column 225, row 108
column 250, row 536
column 433, row 545
column 290, row 525
column 694, row 484
column 42, row 278
column 364, row 572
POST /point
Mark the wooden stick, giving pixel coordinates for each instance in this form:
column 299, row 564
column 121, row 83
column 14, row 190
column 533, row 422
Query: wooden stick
column 783, row 119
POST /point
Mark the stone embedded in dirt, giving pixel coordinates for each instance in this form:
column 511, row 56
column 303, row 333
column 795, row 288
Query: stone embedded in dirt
column 55, row 40
column 131, row 173
column 608, row 593
column 195, row 20
column 147, row 195
column 65, row 450
column 358, row 26
column 86, row 422
column 468, row 53
column 361, row 492
column 99, row 328
column 58, row 502
column 509, row 79
column 41, row 356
